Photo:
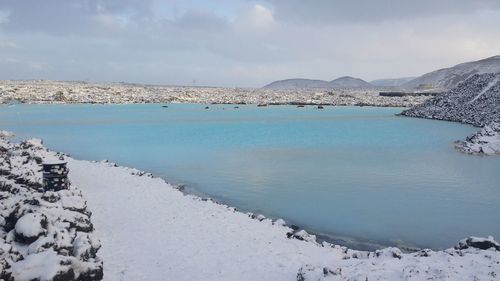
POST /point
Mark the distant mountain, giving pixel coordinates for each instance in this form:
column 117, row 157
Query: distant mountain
column 349, row 82
column 448, row 78
column 299, row 83
column 391, row 82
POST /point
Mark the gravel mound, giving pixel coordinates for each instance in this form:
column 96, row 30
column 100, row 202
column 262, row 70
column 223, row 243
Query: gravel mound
column 475, row 101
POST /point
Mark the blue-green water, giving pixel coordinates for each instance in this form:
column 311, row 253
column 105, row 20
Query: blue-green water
column 357, row 172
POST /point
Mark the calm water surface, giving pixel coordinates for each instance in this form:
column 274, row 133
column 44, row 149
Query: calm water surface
column 355, row 174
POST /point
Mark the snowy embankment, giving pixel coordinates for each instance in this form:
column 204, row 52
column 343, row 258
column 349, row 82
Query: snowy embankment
column 486, row 141
column 151, row 231
column 475, row 101
column 44, row 235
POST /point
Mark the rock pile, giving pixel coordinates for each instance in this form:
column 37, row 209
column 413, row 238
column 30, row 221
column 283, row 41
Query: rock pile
column 475, row 101
column 44, row 235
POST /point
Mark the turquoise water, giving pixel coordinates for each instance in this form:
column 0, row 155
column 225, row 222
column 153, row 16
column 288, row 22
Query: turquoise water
column 355, row 173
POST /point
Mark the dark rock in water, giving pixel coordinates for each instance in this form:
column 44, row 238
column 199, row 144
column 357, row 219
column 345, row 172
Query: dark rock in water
column 164, row 106
column 300, row 105
column 479, row 243
column 320, row 107
column 206, row 107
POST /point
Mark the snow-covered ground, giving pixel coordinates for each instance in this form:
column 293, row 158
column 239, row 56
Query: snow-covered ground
column 149, row 230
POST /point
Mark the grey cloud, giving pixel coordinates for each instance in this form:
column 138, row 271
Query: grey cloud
column 373, row 10
column 68, row 16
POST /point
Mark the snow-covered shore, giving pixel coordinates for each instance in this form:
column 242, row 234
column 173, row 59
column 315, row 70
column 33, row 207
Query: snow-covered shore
column 149, row 230
column 486, row 141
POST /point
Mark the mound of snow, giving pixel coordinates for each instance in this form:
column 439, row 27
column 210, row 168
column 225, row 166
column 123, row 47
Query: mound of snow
column 30, row 226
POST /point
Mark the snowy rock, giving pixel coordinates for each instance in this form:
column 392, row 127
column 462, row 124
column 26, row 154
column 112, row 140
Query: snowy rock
column 44, row 266
column 484, row 142
column 279, row 222
column 302, row 235
column 478, row 242
column 30, row 226
column 44, row 235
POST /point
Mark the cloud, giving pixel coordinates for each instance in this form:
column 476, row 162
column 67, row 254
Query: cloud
column 7, row 44
column 374, row 11
column 241, row 42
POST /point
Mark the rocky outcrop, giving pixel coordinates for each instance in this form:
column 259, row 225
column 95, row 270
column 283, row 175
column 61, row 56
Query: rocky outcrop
column 484, row 142
column 44, row 235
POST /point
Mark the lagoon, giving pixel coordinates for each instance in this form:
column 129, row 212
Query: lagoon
column 360, row 176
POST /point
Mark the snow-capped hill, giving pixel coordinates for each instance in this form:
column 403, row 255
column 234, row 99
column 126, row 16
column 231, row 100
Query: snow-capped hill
column 391, row 82
column 448, row 78
column 349, row 82
column 298, row 83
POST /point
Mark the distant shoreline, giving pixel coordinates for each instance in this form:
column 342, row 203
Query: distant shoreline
column 12, row 92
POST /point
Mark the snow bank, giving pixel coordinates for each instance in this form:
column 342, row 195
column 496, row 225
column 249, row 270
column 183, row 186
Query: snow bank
column 44, row 235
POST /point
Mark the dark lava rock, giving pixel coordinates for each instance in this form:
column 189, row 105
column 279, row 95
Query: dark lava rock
column 479, row 243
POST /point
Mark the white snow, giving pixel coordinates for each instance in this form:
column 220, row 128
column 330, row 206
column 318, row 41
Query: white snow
column 30, row 225
column 42, row 266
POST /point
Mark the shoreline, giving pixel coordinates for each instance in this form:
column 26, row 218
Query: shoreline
column 71, row 92
column 189, row 232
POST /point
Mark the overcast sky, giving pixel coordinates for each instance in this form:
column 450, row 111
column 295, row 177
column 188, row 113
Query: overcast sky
column 241, row 42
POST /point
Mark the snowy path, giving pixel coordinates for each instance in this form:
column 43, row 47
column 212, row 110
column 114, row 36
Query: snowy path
column 151, row 231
